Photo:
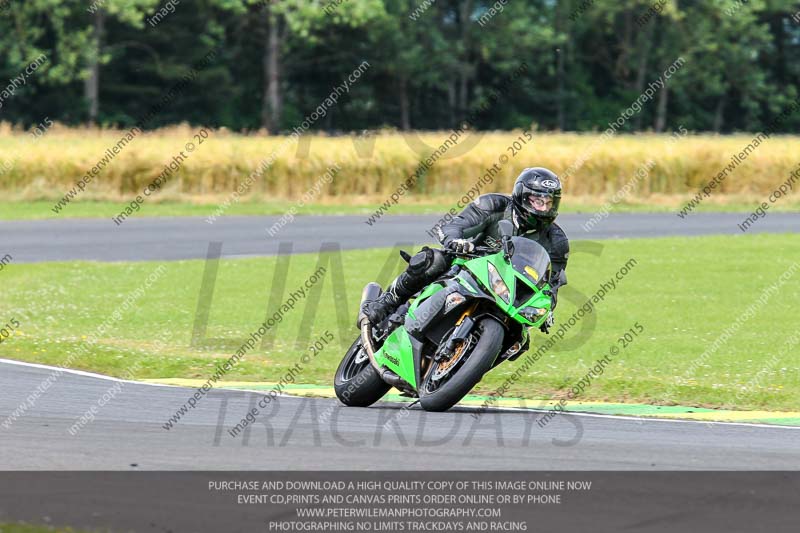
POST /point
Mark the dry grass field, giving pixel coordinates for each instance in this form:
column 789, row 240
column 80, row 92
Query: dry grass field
column 373, row 167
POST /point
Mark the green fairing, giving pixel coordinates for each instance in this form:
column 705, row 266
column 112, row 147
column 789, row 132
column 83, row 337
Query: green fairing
column 397, row 352
column 427, row 292
column 398, row 347
column 479, row 267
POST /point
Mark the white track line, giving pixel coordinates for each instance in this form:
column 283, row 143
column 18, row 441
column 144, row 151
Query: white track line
column 80, row 373
column 574, row 413
column 636, row 418
column 469, row 407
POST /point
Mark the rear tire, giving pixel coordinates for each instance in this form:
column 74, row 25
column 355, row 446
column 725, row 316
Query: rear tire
column 356, row 382
column 476, row 364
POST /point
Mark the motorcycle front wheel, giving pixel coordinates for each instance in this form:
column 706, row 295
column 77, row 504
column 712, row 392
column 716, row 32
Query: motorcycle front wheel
column 447, row 382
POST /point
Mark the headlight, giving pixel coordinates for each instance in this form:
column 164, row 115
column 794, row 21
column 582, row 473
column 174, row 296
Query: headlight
column 533, row 313
column 453, row 299
column 498, row 285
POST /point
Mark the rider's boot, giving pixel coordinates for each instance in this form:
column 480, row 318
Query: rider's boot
column 387, row 303
column 423, row 268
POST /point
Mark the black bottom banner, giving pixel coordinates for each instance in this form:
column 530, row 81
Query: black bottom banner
column 401, row 501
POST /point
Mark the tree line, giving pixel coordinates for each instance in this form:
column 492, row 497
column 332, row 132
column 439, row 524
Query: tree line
column 433, row 63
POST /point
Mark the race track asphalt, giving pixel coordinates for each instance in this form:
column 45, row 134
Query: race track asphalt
column 127, row 433
column 189, row 237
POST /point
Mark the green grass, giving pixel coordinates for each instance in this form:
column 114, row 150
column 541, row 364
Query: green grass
column 28, row 528
column 684, row 292
column 41, row 209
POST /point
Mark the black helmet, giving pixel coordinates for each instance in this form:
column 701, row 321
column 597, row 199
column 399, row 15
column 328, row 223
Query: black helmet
column 536, row 196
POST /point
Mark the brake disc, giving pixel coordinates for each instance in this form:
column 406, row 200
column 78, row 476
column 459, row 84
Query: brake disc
column 444, row 367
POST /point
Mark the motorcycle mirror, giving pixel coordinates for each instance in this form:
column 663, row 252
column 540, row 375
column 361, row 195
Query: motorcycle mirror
column 506, row 228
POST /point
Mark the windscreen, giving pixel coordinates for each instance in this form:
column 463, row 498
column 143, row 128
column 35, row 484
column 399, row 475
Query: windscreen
column 531, row 260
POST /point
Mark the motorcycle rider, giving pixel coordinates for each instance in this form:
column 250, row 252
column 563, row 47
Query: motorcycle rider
column 532, row 208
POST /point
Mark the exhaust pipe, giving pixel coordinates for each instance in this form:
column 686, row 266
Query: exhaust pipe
column 371, row 292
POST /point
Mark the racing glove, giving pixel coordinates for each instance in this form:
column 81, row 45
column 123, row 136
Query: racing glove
column 461, row 246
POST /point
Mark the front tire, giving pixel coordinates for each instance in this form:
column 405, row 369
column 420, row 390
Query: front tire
column 356, row 382
column 477, row 362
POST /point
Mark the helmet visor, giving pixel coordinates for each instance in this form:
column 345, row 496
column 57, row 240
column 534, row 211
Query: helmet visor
column 541, row 203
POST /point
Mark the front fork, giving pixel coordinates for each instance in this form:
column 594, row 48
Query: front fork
column 460, row 334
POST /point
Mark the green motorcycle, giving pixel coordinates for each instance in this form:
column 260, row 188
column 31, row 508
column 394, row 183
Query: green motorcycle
column 439, row 346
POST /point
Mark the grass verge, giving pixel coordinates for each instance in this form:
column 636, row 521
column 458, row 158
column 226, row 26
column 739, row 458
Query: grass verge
column 684, row 292
column 359, row 205
column 29, row 528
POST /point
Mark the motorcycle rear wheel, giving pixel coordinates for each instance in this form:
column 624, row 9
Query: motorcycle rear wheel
column 356, row 382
